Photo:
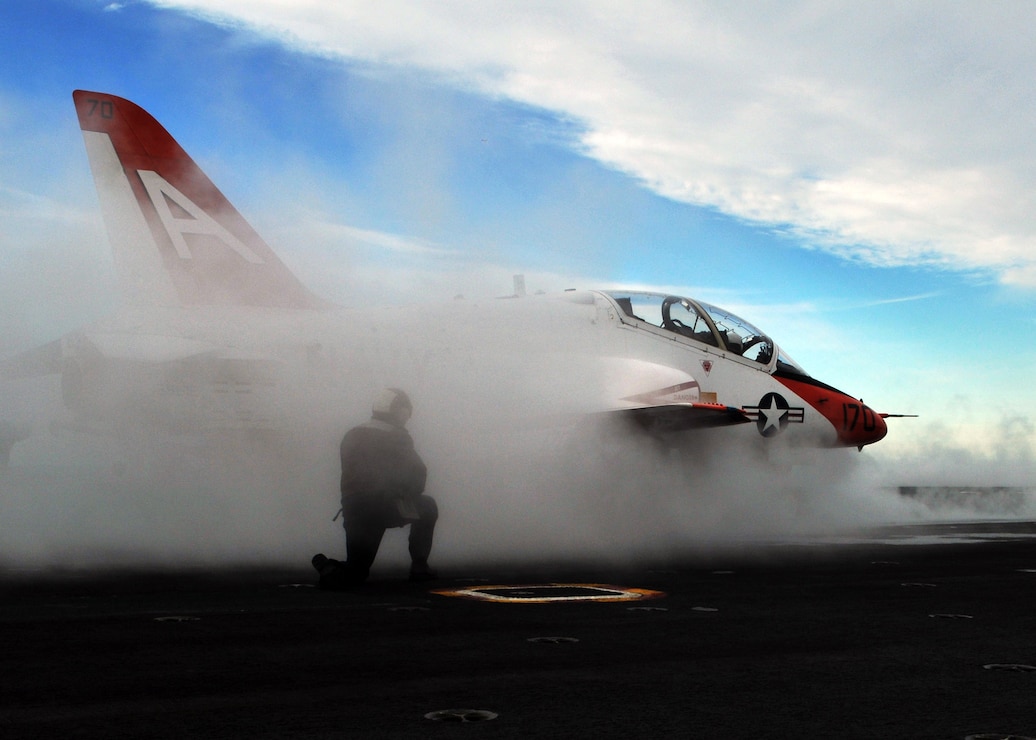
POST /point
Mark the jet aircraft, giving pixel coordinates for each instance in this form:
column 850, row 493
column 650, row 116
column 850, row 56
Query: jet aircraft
column 216, row 334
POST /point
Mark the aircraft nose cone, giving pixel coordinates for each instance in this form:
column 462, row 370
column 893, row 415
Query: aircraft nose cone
column 858, row 424
column 855, row 423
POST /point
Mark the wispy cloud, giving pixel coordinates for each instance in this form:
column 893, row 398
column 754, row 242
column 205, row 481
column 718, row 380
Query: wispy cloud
column 895, row 135
column 901, row 299
column 16, row 204
column 390, row 242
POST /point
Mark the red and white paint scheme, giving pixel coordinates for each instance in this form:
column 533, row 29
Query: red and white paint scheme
column 216, row 333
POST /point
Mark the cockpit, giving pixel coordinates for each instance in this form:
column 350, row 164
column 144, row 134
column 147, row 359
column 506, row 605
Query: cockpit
column 702, row 322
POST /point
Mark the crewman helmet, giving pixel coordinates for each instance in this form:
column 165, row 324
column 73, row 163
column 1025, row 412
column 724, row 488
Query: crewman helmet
column 393, row 405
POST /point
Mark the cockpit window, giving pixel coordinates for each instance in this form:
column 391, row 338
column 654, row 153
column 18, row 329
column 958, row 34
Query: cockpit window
column 701, row 322
column 682, row 316
column 788, row 365
column 643, row 306
column 740, row 336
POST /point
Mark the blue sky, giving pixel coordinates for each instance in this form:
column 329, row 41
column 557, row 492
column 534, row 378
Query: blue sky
column 856, row 180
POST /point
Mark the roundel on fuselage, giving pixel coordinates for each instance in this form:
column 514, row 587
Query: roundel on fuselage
column 773, row 414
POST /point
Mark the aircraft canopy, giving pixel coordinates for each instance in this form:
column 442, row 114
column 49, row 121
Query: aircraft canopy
column 704, row 323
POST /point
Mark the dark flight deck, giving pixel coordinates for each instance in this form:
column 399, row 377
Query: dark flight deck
column 903, row 632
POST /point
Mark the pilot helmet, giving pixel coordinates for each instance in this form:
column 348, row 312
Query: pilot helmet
column 393, row 405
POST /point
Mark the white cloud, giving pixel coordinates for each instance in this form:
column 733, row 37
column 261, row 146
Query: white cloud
column 382, row 240
column 893, row 133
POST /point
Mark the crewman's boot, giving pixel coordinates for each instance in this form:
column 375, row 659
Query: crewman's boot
column 333, row 573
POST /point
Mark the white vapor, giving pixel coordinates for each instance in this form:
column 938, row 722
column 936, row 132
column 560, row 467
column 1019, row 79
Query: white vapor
column 584, row 490
column 892, row 133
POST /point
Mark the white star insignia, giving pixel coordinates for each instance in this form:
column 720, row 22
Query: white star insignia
column 773, row 415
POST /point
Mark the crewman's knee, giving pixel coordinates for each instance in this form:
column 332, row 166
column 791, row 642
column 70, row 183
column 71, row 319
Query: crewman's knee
column 427, row 509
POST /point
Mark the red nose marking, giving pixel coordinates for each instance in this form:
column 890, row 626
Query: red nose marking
column 855, row 423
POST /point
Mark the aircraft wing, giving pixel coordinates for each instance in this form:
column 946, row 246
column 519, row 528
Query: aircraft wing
column 51, row 358
column 682, row 417
column 148, row 348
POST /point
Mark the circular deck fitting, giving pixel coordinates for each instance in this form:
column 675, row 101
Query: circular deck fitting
column 553, row 640
column 461, row 715
column 545, row 593
column 178, row 619
column 951, row 616
column 1014, row 667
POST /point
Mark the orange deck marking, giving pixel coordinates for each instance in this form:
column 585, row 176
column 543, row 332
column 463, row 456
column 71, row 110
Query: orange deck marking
column 544, row 593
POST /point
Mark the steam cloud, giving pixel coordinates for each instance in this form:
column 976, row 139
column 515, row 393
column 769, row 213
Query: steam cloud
column 581, row 490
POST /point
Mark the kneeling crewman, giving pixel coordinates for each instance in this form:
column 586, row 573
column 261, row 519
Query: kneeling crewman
column 383, row 480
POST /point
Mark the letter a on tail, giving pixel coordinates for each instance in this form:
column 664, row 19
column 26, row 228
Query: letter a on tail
column 177, row 239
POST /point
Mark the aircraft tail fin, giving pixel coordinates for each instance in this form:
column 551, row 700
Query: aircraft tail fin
column 177, row 239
